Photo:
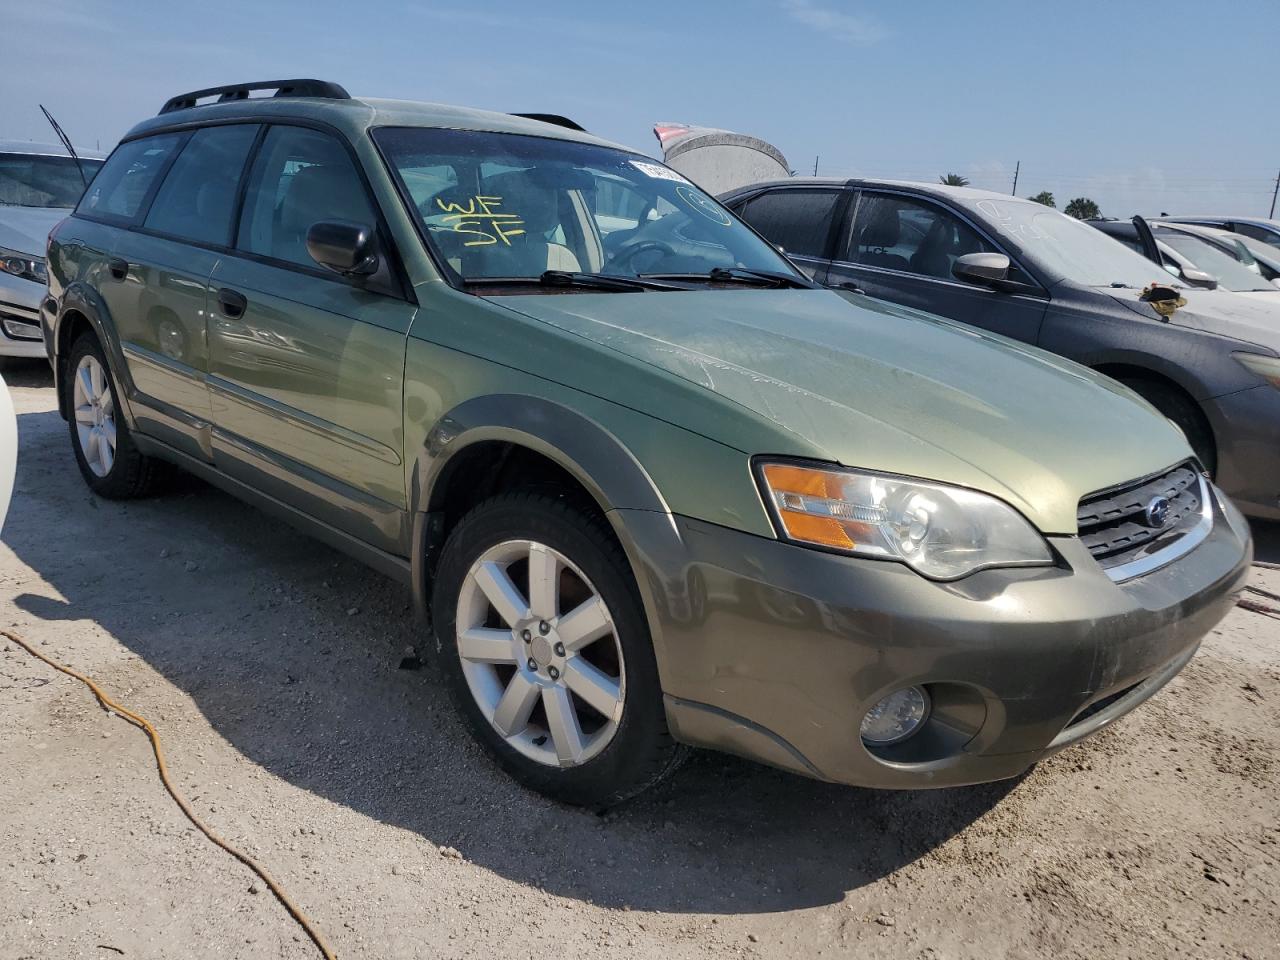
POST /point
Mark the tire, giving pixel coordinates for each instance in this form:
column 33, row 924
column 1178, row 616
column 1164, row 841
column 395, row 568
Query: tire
column 1185, row 413
column 92, row 415
column 515, row 676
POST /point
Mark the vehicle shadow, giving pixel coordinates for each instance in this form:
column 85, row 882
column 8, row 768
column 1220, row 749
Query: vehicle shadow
column 1266, row 540
column 26, row 372
column 294, row 653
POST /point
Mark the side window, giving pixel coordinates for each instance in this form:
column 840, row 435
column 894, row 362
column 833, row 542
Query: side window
column 1133, row 243
column 796, row 220
column 1258, row 233
column 299, row 177
column 198, row 196
column 122, row 184
column 900, row 233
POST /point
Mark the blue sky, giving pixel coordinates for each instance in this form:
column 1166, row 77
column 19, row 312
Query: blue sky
column 1142, row 106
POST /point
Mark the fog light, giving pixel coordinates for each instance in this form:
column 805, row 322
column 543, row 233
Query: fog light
column 896, row 717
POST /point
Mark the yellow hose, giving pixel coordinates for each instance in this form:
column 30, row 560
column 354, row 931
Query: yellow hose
column 141, row 722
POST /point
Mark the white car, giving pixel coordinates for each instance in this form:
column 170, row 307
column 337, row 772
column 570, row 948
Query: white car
column 39, row 186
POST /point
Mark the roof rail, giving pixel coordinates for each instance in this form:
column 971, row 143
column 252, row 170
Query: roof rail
column 553, row 118
column 240, row 91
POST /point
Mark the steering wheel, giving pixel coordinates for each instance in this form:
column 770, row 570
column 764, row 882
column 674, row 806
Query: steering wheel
column 624, row 256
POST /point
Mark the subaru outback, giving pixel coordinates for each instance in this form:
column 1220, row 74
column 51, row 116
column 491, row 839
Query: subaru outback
column 650, row 486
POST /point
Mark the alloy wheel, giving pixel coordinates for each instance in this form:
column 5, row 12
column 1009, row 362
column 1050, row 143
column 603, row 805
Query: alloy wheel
column 540, row 653
column 94, row 415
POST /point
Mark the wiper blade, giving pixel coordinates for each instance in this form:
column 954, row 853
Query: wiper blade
column 601, row 281
column 761, row 278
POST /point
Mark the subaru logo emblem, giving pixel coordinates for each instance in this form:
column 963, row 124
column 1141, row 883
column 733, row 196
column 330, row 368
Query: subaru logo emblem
column 1157, row 512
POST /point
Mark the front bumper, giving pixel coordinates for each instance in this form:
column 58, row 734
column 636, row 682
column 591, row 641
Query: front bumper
column 1247, row 425
column 20, row 333
column 776, row 652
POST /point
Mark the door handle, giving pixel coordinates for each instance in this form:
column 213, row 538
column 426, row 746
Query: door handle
column 847, row 285
column 119, row 268
column 233, row 304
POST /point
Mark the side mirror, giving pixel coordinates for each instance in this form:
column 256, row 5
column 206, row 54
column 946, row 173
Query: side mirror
column 343, row 247
column 983, row 268
column 1198, row 278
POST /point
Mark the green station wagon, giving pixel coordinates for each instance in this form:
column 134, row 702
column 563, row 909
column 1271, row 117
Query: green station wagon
column 650, row 485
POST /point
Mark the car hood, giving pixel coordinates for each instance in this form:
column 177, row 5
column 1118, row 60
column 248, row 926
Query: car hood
column 883, row 387
column 26, row 229
column 1254, row 318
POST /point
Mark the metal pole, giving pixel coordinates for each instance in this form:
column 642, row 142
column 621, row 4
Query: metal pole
column 1272, row 214
column 815, row 166
column 1016, row 168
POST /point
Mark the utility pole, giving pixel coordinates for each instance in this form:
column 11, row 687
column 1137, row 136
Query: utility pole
column 1016, row 168
column 815, row 166
column 1272, row 214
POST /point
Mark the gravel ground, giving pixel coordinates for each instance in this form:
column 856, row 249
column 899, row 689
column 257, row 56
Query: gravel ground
column 272, row 666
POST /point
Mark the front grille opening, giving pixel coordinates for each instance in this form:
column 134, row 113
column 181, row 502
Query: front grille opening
column 1121, row 524
column 1098, row 706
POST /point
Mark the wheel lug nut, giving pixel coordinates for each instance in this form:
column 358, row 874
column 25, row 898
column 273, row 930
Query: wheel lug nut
column 544, row 628
column 533, row 665
column 526, row 636
column 559, row 648
column 553, row 673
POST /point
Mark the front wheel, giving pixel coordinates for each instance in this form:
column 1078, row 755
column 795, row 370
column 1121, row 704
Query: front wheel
column 547, row 651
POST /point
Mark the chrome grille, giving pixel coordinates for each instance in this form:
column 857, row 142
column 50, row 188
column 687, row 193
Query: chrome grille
column 1135, row 528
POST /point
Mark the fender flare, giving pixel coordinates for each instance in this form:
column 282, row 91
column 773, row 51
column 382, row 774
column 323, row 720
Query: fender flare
column 582, row 447
column 81, row 298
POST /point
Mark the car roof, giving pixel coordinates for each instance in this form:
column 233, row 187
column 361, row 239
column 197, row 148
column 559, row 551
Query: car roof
column 45, row 149
column 966, row 196
column 354, row 116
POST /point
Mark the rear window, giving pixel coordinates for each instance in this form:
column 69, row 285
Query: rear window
column 121, row 186
column 198, row 196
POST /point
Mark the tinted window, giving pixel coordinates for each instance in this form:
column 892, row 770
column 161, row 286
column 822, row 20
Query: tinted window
column 299, row 177
column 35, row 180
column 796, row 220
column 198, row 196
column 1258, row 233
column 120, row 187
column 899, row 233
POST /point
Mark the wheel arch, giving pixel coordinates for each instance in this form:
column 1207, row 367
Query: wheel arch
column 80, row 309
column 1126, row 371
column 472, row 449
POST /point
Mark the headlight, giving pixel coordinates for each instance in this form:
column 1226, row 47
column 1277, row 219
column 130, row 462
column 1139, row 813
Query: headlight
column 1268, row 368
column 941, row 531
column 23, row 265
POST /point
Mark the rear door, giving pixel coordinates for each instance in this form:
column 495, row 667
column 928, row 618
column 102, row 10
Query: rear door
column 901, row 247
column 175, row 196
column 306, row 366
column 800, row 220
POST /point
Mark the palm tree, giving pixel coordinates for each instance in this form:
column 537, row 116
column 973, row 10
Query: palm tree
column 1082, row 208
column 954, row 180
column 1045, row 197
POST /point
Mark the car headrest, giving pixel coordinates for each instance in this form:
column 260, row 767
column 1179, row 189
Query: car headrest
column 883, row 229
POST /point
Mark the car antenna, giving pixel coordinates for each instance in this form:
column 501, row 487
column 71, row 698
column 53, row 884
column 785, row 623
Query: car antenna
column 66, row 142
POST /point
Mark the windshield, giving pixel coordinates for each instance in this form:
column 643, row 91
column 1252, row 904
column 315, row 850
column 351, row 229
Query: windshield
column 504, row 205
column 32, row 180
column 1068, row 247
column 1231, row 273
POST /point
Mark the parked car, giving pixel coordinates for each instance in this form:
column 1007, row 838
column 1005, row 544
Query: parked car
column 1195, row 259
column 653, row 486
column 1023, row 270
column 1268, row 231
column 1262, row 258
column 38, row 187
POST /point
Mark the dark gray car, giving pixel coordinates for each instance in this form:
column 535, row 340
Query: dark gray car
column 1026, row 271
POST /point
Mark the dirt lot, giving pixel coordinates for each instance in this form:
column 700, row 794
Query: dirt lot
column 271, row 666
